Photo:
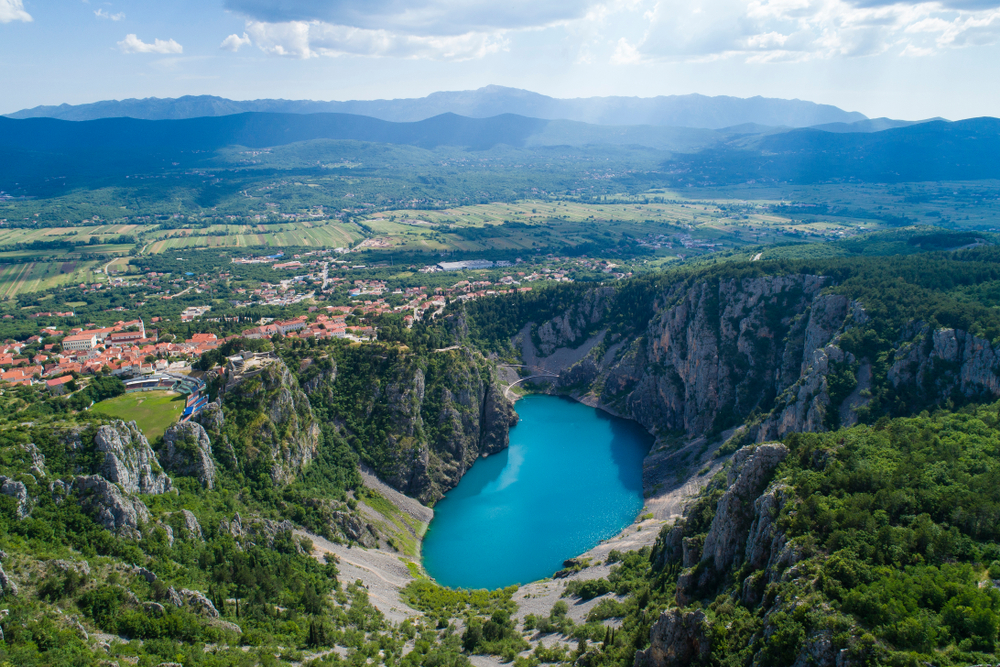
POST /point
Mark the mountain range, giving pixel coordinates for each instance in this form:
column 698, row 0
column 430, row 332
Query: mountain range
column 697, row 111
column 870, row 150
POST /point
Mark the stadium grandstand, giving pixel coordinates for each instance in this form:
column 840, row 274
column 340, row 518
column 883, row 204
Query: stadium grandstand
column 197, row 399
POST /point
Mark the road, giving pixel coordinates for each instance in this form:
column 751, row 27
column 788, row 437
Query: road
column 536, row 374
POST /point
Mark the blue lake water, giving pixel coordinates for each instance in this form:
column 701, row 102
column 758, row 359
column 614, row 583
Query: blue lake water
column 571, row 477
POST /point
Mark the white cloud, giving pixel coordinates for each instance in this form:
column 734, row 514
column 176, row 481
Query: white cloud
column 101, row 14
column 234, row 42
column 416, row 17
column 625, row 53
column 798, row 30
column 302, row 39
column 13, row 10
column 132, row 44
column 625, row 32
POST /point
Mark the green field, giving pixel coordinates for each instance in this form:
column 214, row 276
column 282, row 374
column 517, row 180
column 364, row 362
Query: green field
column 536, row 224
column 306, row 234
column 75, row 233
column 152, row 411
column 37, row 276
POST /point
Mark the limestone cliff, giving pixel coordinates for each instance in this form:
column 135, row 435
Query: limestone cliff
column 571, row 327
column 187, row 450
column 267, row 420
column 419, row 421
column 120, row 513
column 766, row 351
column 129, row 461
column 677, row 639
column 743, row 551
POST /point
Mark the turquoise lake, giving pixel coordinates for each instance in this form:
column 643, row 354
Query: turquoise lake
column 571, row 477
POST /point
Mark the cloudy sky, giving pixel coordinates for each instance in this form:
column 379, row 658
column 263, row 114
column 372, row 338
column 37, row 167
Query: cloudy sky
column 907, row 59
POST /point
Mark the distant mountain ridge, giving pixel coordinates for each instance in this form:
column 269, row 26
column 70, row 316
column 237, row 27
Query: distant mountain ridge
column 930, row 151
column 263, row 130
column 936, row 150
column 689, row 111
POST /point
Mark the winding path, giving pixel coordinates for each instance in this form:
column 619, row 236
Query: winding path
column 536, row 373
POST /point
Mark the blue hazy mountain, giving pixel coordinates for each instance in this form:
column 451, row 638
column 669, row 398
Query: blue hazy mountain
column 930, row 151
column 262, row 130
column 936, row 150
column 674, row 110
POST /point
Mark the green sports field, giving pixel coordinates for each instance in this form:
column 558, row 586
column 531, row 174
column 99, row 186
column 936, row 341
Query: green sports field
column 152, row 411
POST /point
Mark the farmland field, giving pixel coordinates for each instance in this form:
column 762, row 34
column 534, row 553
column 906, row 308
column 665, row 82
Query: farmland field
column 309, row 234
column 36, row 276
column 75, row 233
column 152, row 411
column 534, row 224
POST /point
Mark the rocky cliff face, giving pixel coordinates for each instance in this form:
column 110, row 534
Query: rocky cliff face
column 129, row 461
column 743, row 551
column 187, row 450
column 739, row 519
column 106, row 468
column 572, row 326
column 765, row 350
column 677, row 639
column 716, row 352
column 118, row 512
column 420, row 423
column 944, row 361
column 273, row 419
column 18, row 491
column 460, row 418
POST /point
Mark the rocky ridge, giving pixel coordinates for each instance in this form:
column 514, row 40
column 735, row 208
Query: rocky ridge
column 437, row 418
column 129, row 461
column 276, row 421
column 742, row 537
column 764, row 351
column 187, row 450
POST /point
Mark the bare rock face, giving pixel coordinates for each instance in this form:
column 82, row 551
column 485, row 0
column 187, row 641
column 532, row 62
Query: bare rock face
column 117, row 512
column 190, row 528
column 718, row 351
column 437, row 421
column 748, row 475
column 497, row 419
column 187, row 451
column 255, row 530
column 211, row 417
column 356, row 529
column 677, row 639
column 19, row 492
column 37, row 459
column 173, row 597
column 129, row 461
column 670, row 545
column 573, row 325
column 713, row 351
column 281, row 426
column 199, row 603
column 584, row 372
column 765, row 540
column 7, row 585
column 946, row 361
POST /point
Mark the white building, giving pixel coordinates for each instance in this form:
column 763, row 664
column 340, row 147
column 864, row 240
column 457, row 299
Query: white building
column 79, row 342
